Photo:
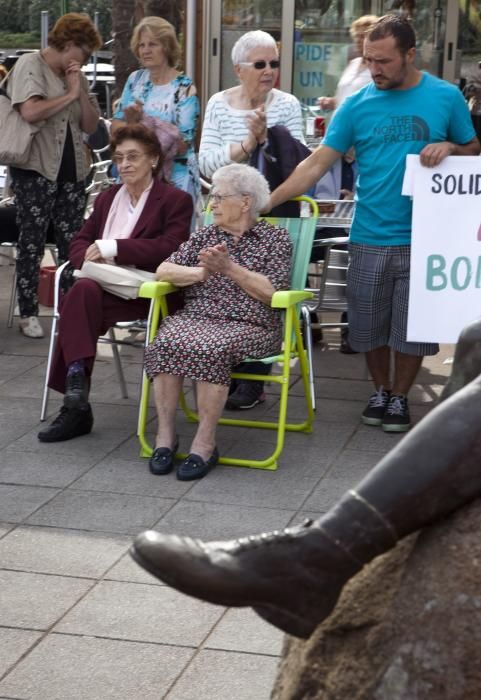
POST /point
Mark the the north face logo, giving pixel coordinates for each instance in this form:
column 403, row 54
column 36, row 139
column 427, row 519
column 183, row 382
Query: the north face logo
column 405, row 128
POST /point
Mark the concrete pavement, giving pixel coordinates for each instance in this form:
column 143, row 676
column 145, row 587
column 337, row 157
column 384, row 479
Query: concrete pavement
column 78, row 619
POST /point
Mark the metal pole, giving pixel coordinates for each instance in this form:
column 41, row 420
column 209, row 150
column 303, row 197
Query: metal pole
column 190, row 24
column 44, row 28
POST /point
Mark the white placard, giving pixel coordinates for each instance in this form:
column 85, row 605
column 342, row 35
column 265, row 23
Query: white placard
column 445, row 285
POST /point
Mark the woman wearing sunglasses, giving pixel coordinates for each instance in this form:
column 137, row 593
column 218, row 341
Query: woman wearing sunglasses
column 235, row 124
column 236, row 119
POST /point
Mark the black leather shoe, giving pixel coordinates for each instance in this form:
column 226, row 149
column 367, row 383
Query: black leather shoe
column 291, row 578
column 70, row 423
column 194, row 467
column 76, row 390
column 162, row 460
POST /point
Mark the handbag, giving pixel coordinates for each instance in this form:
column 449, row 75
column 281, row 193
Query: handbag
column 16, row 134
column 123, row 281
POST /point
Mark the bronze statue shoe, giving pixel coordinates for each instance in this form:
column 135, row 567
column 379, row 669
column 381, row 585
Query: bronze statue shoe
column 292, row 577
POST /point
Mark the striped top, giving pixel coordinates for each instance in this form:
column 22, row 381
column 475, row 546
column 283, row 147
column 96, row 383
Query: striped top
column 224, row 125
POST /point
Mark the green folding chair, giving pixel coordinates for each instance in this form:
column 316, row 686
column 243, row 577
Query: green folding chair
column 301, row 231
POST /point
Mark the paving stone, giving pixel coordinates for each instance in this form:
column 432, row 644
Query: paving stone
column 213, row 521
column 97, row 444
column 17, row 502
column 328, row 492
column 254, row 487
column 14, row 643
column 218, row 675
column 354, row 464
column 54, row 551
column 240, row 629
column 16, row 419
column 370, row 438
column 32, row 468
column 4, row 528
column 36, row 601
column 131, row 476
column 105, row 512
column 140, row 612
column 90, row 669
column 127, row 570
column 14, row 365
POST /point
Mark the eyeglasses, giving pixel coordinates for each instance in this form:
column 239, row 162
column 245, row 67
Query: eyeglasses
column 218, row 198
column 132, row 157
column 260, row 65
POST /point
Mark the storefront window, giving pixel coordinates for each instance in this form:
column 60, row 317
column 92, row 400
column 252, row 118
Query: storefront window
column 323, row 46
column 239, row 17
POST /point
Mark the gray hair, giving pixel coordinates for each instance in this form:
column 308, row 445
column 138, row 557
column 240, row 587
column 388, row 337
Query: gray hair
column 244, row 179
column 248, row 42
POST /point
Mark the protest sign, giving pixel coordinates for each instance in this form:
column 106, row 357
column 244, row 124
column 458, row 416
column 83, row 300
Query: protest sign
column 445, row 285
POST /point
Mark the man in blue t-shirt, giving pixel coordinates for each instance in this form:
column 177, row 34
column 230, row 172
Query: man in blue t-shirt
column 402, row 111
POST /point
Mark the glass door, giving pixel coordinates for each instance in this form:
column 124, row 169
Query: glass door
column 226, row 22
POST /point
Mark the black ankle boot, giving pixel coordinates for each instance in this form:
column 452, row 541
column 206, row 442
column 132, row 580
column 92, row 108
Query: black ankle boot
column 70, row 423
column 76, row 390
column 291, row 578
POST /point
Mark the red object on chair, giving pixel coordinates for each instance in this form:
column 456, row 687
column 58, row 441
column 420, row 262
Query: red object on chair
column 46, row 285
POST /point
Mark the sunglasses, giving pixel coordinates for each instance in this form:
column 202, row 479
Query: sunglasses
column 260, row 65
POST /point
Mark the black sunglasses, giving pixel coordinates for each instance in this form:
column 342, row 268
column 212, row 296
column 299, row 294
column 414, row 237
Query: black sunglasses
column 260, row 65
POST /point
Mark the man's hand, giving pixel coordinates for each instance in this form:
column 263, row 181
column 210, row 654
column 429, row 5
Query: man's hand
column 434, row 153
column 92, row 254
column 215, row 259
column 327, row 103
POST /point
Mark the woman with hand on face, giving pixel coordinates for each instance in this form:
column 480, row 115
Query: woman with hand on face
column 160, row 96
column 236, row 119
column 49, row 91
column 138, row 223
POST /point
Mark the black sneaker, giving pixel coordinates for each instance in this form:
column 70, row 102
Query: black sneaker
column 246, row 395
column 70, row 423
column 396, row 418
column 376, row 407
column 76, row 390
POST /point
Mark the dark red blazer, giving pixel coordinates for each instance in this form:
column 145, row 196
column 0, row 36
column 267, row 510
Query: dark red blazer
column 163, row 225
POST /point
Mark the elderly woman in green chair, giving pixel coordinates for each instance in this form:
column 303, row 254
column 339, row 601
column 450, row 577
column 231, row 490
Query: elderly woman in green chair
column 229, row 271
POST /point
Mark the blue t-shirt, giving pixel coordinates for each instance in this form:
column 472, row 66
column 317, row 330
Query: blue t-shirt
column 384, row 126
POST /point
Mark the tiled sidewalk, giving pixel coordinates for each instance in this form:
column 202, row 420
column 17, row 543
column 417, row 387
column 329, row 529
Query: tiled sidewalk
column 78, row 619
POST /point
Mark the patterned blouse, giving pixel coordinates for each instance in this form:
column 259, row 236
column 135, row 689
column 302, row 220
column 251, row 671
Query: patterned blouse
column 171, row 103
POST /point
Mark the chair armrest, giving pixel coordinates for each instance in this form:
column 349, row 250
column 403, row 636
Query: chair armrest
column 155, row 290
column 290, row 297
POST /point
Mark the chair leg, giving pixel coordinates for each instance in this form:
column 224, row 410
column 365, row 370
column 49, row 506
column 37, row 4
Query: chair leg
column 306, row 325
column 118, row 364
column 13, row 300
column 53, row 337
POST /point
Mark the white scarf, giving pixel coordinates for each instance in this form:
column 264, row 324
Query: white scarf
column 123, row 216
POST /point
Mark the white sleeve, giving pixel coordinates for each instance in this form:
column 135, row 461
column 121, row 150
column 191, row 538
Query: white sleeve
column 294, row 120
column 214, row 151
column 108, row 247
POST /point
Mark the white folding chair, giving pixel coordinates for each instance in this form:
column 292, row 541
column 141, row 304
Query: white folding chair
column 111, row 339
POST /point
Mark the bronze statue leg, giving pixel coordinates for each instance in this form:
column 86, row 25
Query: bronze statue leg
column 293, row 578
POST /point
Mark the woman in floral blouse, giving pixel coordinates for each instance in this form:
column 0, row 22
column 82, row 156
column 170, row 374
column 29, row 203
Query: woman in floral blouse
column 159, row 93
column 230, row 270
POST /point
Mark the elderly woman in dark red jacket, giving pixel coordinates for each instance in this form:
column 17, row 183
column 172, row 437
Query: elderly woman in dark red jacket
column 138, row 223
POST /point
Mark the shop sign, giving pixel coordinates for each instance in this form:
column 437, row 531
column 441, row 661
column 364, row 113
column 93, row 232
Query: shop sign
column 317, row 69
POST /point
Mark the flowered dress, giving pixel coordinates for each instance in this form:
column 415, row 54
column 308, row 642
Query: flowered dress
column 220, row 324
column 171, row 103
